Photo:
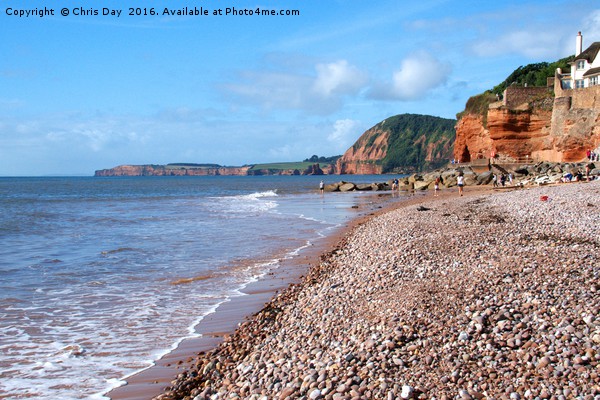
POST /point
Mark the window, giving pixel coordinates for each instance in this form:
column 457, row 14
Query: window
column 581, row 64
column 566, row 84
column 579, row 84
column 594, row 80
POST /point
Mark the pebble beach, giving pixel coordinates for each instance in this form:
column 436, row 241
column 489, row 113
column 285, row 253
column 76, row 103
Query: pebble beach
column 493, row 295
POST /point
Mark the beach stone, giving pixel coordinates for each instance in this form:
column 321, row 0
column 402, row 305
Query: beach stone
column 289, row 391
column 464, row 395
column 503, row 310
column 407, row 392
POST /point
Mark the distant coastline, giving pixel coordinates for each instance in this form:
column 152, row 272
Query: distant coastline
column 179, row 169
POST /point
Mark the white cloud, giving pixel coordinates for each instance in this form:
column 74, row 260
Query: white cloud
column 345, row 133
column 338, row 78
column 418, row 74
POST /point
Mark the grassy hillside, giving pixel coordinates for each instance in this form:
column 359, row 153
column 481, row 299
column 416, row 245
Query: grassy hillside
column 417, row 142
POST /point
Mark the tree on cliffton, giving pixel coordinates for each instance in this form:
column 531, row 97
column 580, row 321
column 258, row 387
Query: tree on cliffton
column 536, row 74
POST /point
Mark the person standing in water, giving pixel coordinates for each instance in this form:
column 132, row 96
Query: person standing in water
column 321, row 187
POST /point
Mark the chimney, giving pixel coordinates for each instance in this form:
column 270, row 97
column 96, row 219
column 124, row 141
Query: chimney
column 578, row 44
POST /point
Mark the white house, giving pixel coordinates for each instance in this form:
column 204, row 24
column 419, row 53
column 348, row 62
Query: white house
column 585, row 68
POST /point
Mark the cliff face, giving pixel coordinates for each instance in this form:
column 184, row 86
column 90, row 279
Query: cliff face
column 170, row 170
column 509, row 133
column 529, row 126
column 161, row 170
column 472, row 139
column 363, row 157
column 402, row 143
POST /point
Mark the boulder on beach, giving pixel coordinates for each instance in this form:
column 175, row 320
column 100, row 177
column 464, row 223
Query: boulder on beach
column 333, row 187
column 365, row 187
column 421, row 185
column 484, row 178
column 347, row 187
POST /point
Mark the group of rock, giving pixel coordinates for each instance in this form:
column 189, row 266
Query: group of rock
column 523, row 175
column 480, row 297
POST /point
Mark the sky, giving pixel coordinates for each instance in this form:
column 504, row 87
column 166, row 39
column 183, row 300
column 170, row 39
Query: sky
column 82, row 92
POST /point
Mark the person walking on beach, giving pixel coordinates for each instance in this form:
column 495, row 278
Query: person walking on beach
column 321, row 187
column 460, row 181
column 436, row 186
column 495, row 180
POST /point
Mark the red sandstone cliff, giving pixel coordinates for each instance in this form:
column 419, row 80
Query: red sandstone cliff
column 508, row 133
column 361, row 158
column 531, row 124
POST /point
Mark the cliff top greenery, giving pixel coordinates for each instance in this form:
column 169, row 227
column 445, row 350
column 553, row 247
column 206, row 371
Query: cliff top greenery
column 536, row 74
column 327, row 160
column 533, row 74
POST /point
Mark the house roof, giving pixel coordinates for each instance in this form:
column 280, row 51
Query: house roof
column 592, row 72
column 590, row 53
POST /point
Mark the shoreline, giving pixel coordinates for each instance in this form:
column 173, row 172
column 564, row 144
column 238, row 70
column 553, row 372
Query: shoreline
column 318, row 338
column 228, row 316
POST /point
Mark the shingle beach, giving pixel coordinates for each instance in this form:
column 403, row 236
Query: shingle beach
column 486, row 296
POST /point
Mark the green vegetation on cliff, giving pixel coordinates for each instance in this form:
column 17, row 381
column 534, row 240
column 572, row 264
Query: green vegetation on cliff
column 417, row 142
column 322, row 159
column 532, row 75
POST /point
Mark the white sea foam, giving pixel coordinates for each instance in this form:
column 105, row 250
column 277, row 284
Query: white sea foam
column 79, row 327
column 243, row 205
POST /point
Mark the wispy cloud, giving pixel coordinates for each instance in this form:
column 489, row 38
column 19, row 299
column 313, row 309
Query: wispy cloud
column 529, row 43
column 591, row 25
column 320, row 93
column 344, row 133
column 170, row 135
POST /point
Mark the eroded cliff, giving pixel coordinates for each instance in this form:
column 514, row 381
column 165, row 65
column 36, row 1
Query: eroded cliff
column 532, row 124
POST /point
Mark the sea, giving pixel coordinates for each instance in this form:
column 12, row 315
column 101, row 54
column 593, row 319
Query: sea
column 102, row 276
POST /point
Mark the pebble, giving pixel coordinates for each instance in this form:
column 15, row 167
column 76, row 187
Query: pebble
column 491, row 285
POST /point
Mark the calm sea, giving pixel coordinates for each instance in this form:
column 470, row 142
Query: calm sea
column 98, row 276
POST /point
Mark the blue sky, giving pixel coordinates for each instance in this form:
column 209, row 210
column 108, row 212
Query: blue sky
column 81, row 93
